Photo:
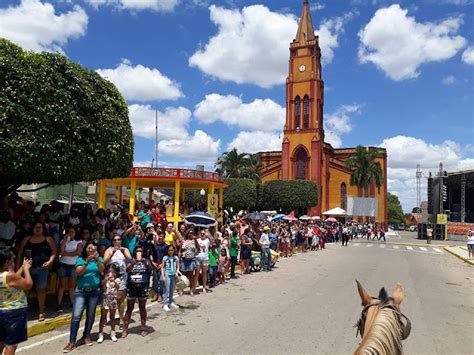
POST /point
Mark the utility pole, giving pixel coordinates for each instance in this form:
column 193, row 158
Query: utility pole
column 418, row 186
column 156, row 137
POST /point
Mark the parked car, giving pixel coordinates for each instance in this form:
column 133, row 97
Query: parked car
column 413, row 228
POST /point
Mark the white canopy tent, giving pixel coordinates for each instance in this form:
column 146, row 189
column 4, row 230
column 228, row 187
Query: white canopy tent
column 335, row 212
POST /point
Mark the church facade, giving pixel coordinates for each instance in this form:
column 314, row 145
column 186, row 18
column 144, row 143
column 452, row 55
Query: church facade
column 305, row 155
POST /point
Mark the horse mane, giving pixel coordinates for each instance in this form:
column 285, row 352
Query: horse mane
column 384, row 337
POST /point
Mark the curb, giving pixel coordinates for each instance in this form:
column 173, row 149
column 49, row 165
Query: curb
column 471, row 262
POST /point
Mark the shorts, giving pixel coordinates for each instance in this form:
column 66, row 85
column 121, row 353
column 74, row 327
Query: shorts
column 245, row 253
column 123, row 282
column 66, row 270
column 202, row 262
column 188, row 265
column 470, row 246
column 39, row 277
column 13, row 326
column 137, row 292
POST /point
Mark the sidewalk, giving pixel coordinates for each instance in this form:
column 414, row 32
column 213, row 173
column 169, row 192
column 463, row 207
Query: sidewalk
column 461, row 253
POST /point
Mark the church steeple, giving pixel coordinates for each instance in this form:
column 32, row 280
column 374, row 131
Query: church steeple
column 305, row 28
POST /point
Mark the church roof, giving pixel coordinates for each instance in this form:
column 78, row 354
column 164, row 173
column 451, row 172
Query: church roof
column 305, row 27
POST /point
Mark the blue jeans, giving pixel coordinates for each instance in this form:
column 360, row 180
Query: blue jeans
column 266, row 258
column 170, row 281
column 83, row 299
column 158, row 285
column 212, row 275
column 233, row 263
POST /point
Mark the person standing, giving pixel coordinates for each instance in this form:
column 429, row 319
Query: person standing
column 264, row 242
column 169, row 269
column 86, row 296
column 202, row 258
column 470, row 244
column 429, row 234
column 161, row 250
column 188, row 259
column 233, row 253
column 13, row 302
column 42, row 251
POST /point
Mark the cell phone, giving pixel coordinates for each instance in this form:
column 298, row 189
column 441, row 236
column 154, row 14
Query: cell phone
column 27, row 253
column 139, row 255
column 137, row 223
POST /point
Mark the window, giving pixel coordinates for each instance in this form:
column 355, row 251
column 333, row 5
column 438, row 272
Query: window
column 297, row 111
column 306, row 112
column 301, row 160
column 343, row 196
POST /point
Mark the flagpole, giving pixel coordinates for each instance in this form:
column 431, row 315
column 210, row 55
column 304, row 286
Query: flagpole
column 156, row 137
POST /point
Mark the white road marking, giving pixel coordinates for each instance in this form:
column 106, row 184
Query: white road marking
column 369, row 245
column 437, row 250
column 409, row 247
column 382, row 246
column 423, row 248
column 356, row 244
column 396, row 247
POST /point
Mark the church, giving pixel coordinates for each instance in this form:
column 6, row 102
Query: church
column 304, row 154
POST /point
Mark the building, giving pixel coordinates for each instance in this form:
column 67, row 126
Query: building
column 305, row 155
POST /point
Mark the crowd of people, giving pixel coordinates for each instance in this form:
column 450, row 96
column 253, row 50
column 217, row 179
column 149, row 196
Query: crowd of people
column 111, row 259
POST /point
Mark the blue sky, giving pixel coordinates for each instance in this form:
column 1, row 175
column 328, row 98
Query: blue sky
column 398, row 74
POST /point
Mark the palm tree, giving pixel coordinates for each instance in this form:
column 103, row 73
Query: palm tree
column 231, row 164
column 252, row 168
column 364, row 170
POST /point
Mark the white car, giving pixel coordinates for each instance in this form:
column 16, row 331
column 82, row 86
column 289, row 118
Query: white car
column 412, row 228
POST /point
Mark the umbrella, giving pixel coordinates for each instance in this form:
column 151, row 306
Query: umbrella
column 290, row 218
column 331, row 219
column 315, row 218
column 278, row 217
column 335, row 212
column 305, row 218
column 200, row 219
column 256, row 216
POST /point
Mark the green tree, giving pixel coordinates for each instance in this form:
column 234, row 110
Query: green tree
column 252, row 167
column 364, row 169
column 233, row 164
column 395, row 211
column 59, row 122
column 241, row 194
column 288, row 194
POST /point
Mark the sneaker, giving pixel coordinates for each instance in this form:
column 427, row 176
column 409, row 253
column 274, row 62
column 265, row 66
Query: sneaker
column 174, row 305
column 113, row 336
column 166, row 308
column 68, row 348
column 59, row 309
column 101, row 338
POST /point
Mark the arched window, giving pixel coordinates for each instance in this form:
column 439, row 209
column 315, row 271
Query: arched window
column 301, row 164
column 343, row 196
column 297, row 111
column 306, row 112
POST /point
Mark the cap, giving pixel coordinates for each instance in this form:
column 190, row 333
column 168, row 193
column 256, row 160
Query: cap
column 266, row 228
column 150, row 225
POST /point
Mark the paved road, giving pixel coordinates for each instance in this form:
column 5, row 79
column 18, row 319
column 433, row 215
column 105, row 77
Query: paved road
column 309, row 305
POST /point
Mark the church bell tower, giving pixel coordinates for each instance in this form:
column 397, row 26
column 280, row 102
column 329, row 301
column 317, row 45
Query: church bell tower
column 302, row 147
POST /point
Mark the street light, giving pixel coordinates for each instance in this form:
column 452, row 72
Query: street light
column 202, row 192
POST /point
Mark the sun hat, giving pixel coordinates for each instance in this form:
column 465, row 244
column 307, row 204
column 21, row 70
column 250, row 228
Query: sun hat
column 150, row 225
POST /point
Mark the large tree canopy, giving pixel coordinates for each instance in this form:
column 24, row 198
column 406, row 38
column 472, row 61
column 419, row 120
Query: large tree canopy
column 59, row 122
column 288, row 194
column 241, row 194
column 395, row 211
column 236, row 165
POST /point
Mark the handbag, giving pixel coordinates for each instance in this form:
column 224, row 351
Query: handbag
column 183, row 281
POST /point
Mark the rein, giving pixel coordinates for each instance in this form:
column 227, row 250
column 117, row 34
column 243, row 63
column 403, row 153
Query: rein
column 405, row 328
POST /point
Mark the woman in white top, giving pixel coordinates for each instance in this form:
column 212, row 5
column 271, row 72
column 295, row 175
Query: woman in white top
column 470, row 244
column 69, row 250
column 118, row 255
column 202, row 258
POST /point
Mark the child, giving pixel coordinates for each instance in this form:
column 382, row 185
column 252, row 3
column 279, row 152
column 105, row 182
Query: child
column 110, row 286
column 213, row 256
column 223, row 260
column 169, row 268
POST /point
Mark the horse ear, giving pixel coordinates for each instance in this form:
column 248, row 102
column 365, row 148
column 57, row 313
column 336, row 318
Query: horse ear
column 398, row 294
column 383, row 296
column 364, row 295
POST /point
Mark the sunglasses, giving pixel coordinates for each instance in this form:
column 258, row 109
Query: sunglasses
column 117, row 240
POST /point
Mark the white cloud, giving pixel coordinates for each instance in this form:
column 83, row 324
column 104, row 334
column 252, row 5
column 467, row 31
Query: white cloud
column 449, row 80
column 468, row 56
column 315, row 6
column 172, row 124
column 200, row 146
column 256, row 141
column 251, row 45
column 34, row 25
column 259, row 114
column 404, row 153
column 140, row 83
column 339, row 123
column 398, row 45
column 137, row 5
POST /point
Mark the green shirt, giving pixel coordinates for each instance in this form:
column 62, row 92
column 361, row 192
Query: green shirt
column 91, row 277
column 234, row 246
column 145, row 220
column 213, row 255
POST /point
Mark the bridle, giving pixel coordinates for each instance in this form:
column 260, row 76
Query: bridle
column 405, row 327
